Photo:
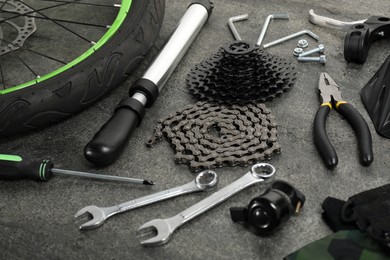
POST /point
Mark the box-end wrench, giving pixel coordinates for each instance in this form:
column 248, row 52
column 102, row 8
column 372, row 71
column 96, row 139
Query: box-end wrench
column 261, row 172
column 205, row 180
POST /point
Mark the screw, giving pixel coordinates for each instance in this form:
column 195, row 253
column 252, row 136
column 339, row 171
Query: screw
column 303, row 43
column 320, row 49
column 297, row 51
column 321, row 59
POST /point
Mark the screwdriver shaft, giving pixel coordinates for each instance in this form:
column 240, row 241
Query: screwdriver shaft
column 102, row 177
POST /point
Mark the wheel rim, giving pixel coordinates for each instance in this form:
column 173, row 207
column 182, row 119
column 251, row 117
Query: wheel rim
column 124, row 9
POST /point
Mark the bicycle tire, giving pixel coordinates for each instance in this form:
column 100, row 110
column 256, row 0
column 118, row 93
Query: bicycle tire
column 57, row 98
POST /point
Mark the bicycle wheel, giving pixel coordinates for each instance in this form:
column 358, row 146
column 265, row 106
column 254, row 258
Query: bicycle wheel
column 59, row 56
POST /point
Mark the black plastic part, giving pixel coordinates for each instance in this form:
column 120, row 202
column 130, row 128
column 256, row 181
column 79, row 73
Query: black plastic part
column 359, row 39
column 293, row 193
column 267, row 213
column 331, row 215
column 376, row 98
column 206, row 3
column 321, row 140
column 368, row 211
column 112, row 138
column 146, row 87
column 239, row 215
column 362, row 131
column 26, row 169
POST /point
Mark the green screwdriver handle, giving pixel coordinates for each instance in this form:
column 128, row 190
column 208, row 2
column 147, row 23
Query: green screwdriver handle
column 14, row 167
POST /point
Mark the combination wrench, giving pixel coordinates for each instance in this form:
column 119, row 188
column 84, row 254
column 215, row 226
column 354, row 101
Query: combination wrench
column 205, row 180
column 261, row 172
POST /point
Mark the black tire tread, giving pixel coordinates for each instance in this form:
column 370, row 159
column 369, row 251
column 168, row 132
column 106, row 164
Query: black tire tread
column 62, row 96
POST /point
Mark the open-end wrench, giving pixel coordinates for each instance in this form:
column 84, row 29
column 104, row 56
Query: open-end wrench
column 205, row 180
column 165, row 227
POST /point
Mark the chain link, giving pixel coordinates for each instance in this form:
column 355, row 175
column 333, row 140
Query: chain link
column 209, row 135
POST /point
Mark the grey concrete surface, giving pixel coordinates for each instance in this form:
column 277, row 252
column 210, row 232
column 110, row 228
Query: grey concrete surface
column 36, row 219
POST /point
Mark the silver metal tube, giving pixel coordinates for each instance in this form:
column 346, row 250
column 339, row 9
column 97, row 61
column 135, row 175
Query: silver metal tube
column 266, row 23
column 140, row 97
column 100, row 176
column 177, row 45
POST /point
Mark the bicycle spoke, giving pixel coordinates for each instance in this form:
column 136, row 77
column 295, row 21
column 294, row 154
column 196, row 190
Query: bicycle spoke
column 33, row 51
column 63, row 21
column 25, row 64
column 49, row 48
column 60, row 25
column 81, row 3
column 35, row 11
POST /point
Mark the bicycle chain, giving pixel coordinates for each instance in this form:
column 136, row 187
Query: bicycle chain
column 210, row 135
column 241, row 73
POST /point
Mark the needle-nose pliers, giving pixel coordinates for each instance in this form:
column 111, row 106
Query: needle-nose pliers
column 331, row 98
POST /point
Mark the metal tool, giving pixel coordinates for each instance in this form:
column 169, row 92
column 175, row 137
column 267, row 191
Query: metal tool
column 319, row 49
column 360, row 34
column 14, row 167
column 263, row 30
column 332, row 23
column 303, row 43
column 331, row 97
column 111, row 140
column 266, row 23
column 205, row 180
column 297, row 51
column 262, row 172
column 321, row 59
column 292, row 36
column 233, row 28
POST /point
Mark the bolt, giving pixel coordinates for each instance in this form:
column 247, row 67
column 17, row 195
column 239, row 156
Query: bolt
column 303, row 43
column 321, row 59
column 297, row 51
column 320, row 49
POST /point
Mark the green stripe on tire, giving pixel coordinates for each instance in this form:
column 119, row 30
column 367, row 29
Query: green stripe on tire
column 123, row 11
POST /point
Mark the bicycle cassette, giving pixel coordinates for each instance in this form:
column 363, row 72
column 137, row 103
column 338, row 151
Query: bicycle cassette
column 241, row 73
column 210, row 135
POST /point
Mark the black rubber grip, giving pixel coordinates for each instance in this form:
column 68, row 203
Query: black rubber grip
column 107, row 144
column 321, row 140
column 26, row 169
column 362, row 131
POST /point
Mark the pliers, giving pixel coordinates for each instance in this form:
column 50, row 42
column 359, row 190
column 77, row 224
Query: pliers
column 331, row 98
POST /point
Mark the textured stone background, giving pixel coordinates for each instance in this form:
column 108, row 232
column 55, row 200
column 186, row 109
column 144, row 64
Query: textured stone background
column 36, row 219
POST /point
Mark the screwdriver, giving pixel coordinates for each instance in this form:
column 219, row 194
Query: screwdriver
column 14, row 167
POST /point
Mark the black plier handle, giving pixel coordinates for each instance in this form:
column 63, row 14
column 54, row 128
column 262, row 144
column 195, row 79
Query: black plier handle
column 358, row 124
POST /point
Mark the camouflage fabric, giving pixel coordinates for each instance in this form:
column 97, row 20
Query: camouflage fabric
column 346, row 245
